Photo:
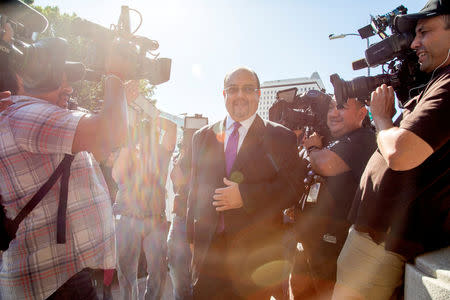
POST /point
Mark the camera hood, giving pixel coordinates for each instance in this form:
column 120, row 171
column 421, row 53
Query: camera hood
column 20, row 12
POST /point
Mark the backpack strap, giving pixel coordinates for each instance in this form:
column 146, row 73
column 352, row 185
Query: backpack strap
column 64, row 165
column 62, row 207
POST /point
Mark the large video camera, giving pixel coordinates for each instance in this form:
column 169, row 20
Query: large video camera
column 183, row 158
column 137, row 49
column 403, row 72
column 191, row 125
column 307, row 110
column 42, row 63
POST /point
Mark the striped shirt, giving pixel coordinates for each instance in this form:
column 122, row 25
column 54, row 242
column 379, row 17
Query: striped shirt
column 34, row 136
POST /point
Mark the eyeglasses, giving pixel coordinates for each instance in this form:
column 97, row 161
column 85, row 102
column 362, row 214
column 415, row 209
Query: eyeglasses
column 234, row 90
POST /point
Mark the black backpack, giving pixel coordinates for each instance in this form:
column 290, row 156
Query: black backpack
column 8, row 227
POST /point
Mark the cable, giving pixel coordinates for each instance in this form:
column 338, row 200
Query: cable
column 140, row 22
column 432, row 75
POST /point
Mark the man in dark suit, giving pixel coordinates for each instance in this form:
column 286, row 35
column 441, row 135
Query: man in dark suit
column 244, row 173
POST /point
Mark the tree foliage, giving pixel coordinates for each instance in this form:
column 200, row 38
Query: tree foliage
column 86, row 93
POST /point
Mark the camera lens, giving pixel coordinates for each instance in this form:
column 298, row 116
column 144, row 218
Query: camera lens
column 359, row 87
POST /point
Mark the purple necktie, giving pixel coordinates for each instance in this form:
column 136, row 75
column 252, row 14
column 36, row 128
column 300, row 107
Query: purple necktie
column 230, row 157
column 232, row 146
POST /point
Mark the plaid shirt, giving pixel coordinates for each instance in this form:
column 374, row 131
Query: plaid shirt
column 34, row 136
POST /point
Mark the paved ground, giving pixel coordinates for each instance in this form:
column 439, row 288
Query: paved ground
column 167, row 295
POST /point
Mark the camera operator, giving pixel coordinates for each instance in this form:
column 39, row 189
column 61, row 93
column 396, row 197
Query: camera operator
column 141, row 172
column 36, row 132
column 401, row 208
column 322, row 229
column 8, row 79
column 179, row 253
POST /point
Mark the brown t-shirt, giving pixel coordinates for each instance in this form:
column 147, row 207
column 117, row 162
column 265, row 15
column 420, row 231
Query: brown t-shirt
column 409, row 210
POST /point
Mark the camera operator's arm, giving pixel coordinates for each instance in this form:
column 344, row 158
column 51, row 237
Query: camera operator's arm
column 324, row 161
column 103, row 132
column 402, row 149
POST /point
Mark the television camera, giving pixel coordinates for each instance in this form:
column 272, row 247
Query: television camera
column 191, row 125
column 402, row 72
column 41, row 63
column 305, row 111
column 184, row 155
column 137, row 49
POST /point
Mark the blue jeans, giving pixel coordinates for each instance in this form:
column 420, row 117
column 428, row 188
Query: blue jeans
column 179, row 256
column 132, row 235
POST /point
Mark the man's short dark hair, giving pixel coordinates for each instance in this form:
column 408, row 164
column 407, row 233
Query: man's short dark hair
column 258, row 85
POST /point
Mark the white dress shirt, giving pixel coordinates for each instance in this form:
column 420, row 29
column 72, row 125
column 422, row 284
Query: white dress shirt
column 229, row 127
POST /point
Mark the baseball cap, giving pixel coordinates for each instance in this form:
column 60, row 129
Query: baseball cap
column 407, row 23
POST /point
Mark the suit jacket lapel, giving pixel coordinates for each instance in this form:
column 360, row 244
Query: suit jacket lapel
column 220, row 141
column 253, row 140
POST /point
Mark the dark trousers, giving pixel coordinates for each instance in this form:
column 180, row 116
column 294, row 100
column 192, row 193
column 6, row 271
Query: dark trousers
column 214, row 282
column 227, row 272
column 78, row 287
column 314, row 273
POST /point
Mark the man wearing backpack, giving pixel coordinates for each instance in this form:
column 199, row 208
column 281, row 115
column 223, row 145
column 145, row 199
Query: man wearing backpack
column 36, row 132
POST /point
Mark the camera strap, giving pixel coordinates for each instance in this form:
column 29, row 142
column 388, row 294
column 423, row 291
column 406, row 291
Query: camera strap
column 64, row 170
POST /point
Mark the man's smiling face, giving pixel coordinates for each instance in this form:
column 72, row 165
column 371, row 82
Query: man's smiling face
column 347, row 119
column 241, row 94
column 432, row 43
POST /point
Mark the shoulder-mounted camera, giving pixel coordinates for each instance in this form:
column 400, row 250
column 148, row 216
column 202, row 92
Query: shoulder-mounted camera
column 400, row 63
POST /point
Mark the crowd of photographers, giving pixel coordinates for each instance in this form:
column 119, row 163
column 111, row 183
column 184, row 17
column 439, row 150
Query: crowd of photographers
column 381, row 191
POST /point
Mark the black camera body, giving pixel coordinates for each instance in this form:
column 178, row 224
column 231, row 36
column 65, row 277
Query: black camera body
column 299, row 111
column 41, row 64
column 403, row 72
column 24, row 20
column 191, row 125
column 137, row 49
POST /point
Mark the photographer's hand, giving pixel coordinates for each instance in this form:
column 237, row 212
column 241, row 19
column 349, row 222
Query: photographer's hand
column 104, row 132
column 314, row 140
column 401, row 149
column 382, row 107
column 118, row 62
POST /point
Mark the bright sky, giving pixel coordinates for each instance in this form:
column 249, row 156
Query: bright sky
column 207, row 38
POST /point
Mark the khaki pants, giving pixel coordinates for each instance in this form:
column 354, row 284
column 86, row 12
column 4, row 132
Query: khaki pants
column 365, row 270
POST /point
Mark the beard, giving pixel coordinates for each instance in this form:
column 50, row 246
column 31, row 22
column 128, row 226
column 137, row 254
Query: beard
column 240, row 108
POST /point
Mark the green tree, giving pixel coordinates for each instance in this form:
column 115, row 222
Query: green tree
column 81, row 49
